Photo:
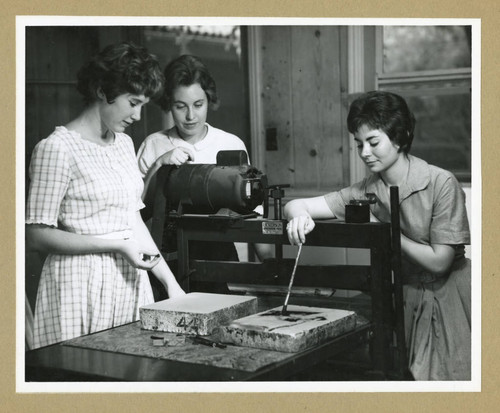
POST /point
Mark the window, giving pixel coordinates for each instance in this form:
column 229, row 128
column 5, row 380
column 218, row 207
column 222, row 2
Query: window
column 431, row 67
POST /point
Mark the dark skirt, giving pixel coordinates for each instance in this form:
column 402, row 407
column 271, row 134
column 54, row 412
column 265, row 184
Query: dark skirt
column 438, row 325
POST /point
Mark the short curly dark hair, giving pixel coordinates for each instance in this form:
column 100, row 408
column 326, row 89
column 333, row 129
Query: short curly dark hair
column 118, row 69
column 187, row 70
column 386, row 111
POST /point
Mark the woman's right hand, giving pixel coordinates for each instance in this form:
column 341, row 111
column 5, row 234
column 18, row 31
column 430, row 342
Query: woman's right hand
column 298, row 227
column 136, row 256
column 177, row 156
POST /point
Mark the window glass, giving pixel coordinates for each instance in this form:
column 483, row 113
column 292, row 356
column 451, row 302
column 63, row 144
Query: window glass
column 443, row 130
column 441, row 101
column 419, row 48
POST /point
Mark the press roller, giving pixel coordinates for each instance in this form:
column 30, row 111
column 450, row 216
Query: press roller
column 206, row 188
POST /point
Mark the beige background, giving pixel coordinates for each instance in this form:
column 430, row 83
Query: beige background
column 487, row 11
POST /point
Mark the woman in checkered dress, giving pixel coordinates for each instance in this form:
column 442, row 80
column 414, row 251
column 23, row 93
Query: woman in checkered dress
column 84, row 201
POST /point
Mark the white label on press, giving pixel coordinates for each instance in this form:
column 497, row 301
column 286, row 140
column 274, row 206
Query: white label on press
column 272, row 228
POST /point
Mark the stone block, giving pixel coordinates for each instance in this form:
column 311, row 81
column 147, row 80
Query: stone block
column 301, row 328
column 196, row 313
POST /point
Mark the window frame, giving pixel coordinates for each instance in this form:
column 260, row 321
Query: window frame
column 392, row 81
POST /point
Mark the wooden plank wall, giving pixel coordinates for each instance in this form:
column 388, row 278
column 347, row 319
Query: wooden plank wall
column 303, row 107
column 53, row 57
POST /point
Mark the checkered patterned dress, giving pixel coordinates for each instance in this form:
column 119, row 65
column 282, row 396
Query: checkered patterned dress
column 85, row 188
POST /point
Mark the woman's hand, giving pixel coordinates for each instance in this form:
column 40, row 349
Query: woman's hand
column 299, row 212
column 298, row 228
column 161, row 269
column 136, row 256
column 177, row 156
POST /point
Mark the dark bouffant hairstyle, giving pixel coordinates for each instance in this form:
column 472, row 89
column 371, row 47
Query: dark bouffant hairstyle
column 385, row 111
column 185, row 71
column 118, row 69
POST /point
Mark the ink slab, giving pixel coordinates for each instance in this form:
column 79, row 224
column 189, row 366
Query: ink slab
column 196, row 313
column 299, row 329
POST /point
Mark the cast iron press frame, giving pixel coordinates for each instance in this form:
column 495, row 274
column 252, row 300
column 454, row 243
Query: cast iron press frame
column 381, row 279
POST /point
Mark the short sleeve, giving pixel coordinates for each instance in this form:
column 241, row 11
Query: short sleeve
column 154, row 146
column 145, row 157
column 49, row 179
column 337, row 201
column 449, row 223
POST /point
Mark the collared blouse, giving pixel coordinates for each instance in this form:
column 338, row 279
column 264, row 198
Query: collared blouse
column 431, row 200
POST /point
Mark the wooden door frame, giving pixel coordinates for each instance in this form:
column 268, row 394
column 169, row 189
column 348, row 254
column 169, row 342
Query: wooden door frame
column 254, row 92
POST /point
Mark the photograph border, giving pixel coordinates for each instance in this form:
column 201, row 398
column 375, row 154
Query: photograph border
column 445, row 386
column 485, row 400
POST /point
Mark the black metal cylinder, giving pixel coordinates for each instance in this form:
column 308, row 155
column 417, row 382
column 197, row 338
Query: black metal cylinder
column 209, row 187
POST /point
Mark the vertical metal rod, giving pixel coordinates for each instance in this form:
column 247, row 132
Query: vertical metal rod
column 381, row 302
column 398, row 282
column 278, row 214
column 278, row 251
column 277, row 208
column 182, row 257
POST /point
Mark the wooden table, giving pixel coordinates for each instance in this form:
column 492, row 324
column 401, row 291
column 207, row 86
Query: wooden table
column 380, row 280
column 62, row 362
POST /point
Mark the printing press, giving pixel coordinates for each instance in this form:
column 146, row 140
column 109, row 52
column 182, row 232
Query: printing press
column 255, row 338
column 217, row 203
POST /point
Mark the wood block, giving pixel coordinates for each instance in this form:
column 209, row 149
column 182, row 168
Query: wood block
column 196, row 313
column 301, row 328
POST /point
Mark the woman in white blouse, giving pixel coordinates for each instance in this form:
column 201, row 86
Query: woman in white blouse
column 84, row 201
column 189, row 92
